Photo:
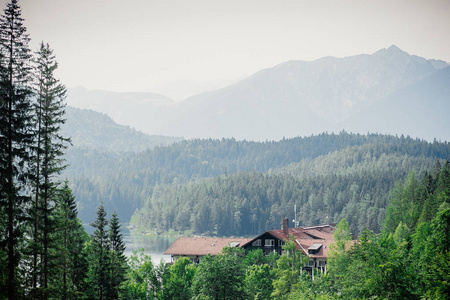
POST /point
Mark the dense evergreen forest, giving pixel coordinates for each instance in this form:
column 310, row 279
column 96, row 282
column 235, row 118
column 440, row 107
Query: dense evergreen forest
column 127, row 181
column 228, row 187
column 409, row 259
column 393, row 191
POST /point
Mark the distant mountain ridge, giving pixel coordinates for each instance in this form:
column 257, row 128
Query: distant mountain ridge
column 420, row 109
column 133, row 109
column 295, row 98
column 89, row 129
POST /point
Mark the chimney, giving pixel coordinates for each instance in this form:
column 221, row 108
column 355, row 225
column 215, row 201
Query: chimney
column 286, row 226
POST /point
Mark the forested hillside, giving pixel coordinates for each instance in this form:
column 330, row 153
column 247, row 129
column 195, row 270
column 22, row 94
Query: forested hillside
column 89, row 129
column 250, row 186
column 218, row 187
column 353, row 183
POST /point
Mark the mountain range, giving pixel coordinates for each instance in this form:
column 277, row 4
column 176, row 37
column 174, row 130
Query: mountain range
column 389, row 91
column 92, row 130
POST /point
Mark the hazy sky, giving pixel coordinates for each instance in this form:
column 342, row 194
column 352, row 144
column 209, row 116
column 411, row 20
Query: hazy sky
column 151, row 45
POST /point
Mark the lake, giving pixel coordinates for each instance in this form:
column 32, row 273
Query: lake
column 154, row 246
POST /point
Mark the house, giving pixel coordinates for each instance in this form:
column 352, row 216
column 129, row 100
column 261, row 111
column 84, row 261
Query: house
column 313, row 241
column 196, row 247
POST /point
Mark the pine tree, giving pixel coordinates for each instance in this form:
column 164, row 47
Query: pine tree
column 99, row 262
column 118, row 263
column 429, row 209
column 395, row 209
column 443, row 185
column 436, row 258
column 426, row 188
column 339, row 254
column 15, row 138
column 50, row 144
column 71, row 238
column 437, row 171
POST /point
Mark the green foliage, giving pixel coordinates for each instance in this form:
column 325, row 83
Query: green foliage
column 142, row 280
column 220, row 277
column 72, row 255
column 117, row 260
column 258, row 281
column 402, row 263
column 306, row 288
column 415, row 201
column 99, row 260
column 107, row 262
column 404, row 205
column 16, row 140
column 402, row 235
column 353, row 183
column 221, row 187
column 419, row 240
column 339, row 258
column 366, row 256
column 341, row 238
column 436, row 260
column 288, row 270
column 341, row 176
column 255, row 257
column 179, row 281
column 48, row 164
column 368, row 270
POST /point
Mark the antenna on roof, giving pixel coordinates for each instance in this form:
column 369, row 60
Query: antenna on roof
column 295, row 216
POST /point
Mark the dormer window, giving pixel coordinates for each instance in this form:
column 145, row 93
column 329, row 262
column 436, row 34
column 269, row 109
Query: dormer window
column 314, row 248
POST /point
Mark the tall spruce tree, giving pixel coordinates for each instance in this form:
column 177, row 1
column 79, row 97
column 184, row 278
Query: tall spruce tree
column 49, row 161
column 15, row 138
column 118, row 261
column 443, row 184
column 72, row 258
column 99, row 261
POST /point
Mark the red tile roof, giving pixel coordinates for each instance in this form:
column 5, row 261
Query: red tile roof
column 305, row 237
column 200, row 246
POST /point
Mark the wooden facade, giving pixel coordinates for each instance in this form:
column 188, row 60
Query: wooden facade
column 313, row 241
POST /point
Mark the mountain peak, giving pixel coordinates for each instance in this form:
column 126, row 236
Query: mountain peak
column 392, row 51
column 394, row 48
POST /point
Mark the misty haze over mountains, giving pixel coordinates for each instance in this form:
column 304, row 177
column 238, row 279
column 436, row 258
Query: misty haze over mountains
column 389, row 91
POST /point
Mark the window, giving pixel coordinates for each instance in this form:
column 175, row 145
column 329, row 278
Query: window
column 314, row 248
column 269, row 243
column 257, row 243
column 280, row 243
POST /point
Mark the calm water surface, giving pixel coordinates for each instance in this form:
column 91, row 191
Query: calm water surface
column 154, row 246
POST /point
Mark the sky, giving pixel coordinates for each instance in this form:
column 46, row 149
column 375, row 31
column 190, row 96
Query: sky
column 182, row 47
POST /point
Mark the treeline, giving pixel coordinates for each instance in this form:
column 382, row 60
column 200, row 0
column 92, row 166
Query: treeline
column 353, row 183
column 125, row 181
column 410, row 259
column 193, row 159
